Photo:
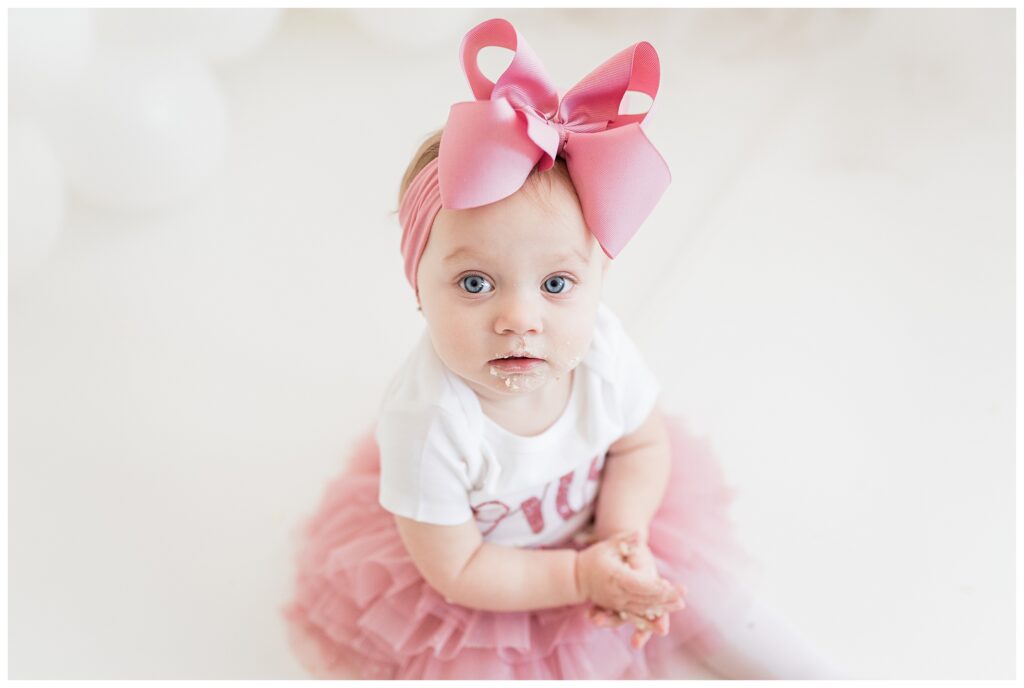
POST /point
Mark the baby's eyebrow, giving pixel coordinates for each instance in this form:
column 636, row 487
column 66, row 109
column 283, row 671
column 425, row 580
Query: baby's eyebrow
column 462, row 252
column 467, row 252
column 575, row 253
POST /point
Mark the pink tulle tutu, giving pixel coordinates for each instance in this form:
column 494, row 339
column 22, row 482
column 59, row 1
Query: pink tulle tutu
column 362, row 610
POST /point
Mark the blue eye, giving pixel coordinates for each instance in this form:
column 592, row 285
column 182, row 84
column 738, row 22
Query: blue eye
column 557, row 285
column 475, row 284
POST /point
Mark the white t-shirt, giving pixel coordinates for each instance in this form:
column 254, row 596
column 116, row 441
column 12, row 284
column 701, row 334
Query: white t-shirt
column 443, row 461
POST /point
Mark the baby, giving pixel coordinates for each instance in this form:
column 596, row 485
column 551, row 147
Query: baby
column 523, row 510
column 511, row 295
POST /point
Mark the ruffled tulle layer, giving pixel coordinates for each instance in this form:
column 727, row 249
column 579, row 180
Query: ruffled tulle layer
column 362, row 610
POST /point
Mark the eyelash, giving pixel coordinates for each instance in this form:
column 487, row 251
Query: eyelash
column 460, row 282
column 568, row 278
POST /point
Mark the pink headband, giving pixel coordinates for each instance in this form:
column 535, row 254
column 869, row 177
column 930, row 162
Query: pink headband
column 490, row 145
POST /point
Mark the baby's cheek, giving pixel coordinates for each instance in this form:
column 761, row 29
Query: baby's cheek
column 460, row 341
column 574, row 334
column 451, row 341
column 568, row 356
column 468, row 355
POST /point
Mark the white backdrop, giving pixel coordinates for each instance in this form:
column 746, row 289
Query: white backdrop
column 826, row 291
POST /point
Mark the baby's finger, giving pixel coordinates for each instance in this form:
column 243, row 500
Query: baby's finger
column 604, row 618
column 654, row 612
column 642, row 622
column 617, row 618
column 645, row 610
column 644, row 581
column 646, row 614
column 633, row 556
column 661, row 625
column 648, row 590
column 676, row 606
column 640, row 638
column 626, row 544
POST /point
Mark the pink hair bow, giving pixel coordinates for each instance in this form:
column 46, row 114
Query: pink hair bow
column 490, row 145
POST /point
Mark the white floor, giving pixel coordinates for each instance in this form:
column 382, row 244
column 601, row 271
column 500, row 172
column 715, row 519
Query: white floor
column 826, row 291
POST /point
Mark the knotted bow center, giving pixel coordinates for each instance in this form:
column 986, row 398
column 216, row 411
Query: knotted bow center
column 572, row 127
column 563, row 133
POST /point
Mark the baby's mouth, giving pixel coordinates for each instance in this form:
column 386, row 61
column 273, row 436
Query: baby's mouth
column 516, row 363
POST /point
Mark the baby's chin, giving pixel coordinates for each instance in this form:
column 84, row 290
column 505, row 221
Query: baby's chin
column 518, row 382
column 513, row 380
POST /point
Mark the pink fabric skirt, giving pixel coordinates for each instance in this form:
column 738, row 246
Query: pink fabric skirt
column 362, row 610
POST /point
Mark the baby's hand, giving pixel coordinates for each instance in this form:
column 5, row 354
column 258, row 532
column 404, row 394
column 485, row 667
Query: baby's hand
column 640, row 558
column 607, row 579
column 645, row 626
column 655, row 620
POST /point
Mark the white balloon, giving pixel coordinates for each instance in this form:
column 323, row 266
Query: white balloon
column 143, row 131
column 221, row 35
column 228, row 35
column 35, row 188
column 47, row 51
column 415, row 28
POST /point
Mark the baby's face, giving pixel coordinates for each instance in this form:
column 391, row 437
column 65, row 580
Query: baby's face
column 510, row 291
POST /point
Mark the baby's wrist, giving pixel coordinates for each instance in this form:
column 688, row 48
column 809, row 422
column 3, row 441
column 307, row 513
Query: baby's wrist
column 582, row 594
column 613, row 531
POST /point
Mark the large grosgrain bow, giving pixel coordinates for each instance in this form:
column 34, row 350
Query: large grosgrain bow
column 490, row 145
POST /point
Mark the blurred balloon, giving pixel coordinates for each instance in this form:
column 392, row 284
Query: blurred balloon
column 144, row 130
column 36, row 198
column 221, row 35
column 415, row 29
column 47, row 51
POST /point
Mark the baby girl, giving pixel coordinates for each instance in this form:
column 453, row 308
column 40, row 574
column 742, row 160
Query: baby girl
column 523, row 509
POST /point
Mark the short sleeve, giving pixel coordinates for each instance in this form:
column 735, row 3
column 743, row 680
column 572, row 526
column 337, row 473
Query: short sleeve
column 636, row 384
column 423, row 469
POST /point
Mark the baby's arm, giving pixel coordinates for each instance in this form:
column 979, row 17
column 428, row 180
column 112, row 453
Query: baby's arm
column 456, row 562
column 635, row 477
column 468, row 571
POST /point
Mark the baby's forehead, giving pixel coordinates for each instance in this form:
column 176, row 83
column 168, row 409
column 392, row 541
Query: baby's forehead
column 537, row 216
column 475, row 247
column 539, row 238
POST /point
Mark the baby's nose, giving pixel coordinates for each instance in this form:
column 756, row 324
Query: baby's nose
column 517, row 315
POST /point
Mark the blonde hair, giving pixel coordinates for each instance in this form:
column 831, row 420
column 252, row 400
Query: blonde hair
column 430, row 147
